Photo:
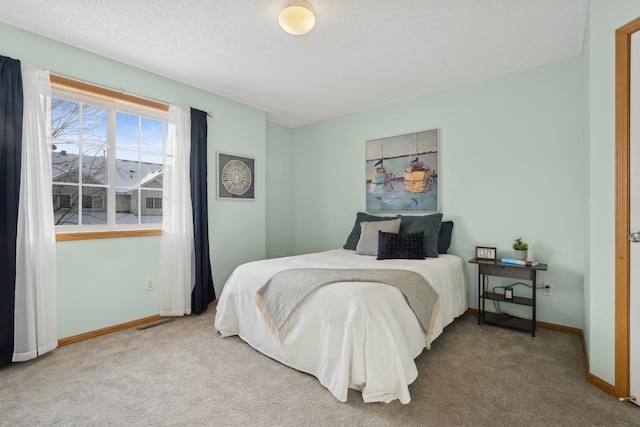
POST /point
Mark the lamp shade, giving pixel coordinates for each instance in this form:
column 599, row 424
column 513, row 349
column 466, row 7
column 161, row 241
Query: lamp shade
column 297, row 17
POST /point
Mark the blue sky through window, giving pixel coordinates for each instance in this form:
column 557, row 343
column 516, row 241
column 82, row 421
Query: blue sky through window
column 82, row 142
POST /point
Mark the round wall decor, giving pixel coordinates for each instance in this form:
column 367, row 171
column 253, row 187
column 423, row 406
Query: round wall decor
column 236, row 177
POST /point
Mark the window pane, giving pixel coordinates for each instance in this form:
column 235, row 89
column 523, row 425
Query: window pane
column 155, row 159
column 123, row 199
column 86, row 202
column 94, row 164
column 127, row 205
column 152, row 212
column 152, row 202
column 151, row 135
column 151, row 171
column 94, row 124
column 127, row 169
column 127, row 155
column 64, row 201
column 65, row 119
column 65, row 204
column 94, row 205
column 65, row 161
column 93, row 202
column 97, row 202
column 127, row 126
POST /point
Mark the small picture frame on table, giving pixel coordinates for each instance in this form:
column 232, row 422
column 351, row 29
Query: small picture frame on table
column 485, row 253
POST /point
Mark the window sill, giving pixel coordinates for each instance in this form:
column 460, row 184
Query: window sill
column 91, row 235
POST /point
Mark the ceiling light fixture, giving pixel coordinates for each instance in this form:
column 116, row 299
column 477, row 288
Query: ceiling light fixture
column 297, row 17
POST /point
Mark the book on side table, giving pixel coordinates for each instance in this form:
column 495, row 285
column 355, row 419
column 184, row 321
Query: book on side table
column 528, row 262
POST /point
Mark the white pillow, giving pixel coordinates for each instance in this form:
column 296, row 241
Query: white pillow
column 368, row 243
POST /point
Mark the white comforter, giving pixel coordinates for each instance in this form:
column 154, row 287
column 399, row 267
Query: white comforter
column 362, row 335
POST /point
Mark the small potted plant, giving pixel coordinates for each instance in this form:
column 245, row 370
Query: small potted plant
column 520, row 249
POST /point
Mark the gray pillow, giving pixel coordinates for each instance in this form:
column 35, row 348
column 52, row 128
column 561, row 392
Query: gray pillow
column 368, row 243
column 354, row 236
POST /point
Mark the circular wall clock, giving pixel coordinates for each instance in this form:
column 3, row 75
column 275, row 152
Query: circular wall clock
column 236, row 177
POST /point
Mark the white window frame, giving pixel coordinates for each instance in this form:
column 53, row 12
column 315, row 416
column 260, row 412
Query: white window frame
column 113, row 107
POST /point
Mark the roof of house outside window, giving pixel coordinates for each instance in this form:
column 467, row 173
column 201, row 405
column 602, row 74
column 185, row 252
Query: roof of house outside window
column 127, row 174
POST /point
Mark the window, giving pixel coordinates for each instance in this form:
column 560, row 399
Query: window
column 107, row 161
column 92, row 202
column 64, row 201
column 154, row 202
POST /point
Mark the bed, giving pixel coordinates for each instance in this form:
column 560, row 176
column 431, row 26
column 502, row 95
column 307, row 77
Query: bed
column 360, row 335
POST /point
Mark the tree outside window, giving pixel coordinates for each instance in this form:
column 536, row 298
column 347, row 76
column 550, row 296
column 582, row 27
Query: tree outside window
column 104, row 162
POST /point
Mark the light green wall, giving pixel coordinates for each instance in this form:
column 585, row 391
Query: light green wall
column 100, row 282
column 605, row 17
column 512, row 163
column 519, row 156
column 93, row 293
column 556, row 122
column 279, row 190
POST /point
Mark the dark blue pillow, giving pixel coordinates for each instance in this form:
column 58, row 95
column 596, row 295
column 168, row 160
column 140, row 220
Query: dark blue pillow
column 444, row 238
column 400, row 246
column 354, row 236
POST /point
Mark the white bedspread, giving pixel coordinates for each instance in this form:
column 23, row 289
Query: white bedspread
column 360, row 335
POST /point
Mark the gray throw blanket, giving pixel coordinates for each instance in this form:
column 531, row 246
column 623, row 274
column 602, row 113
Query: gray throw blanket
column 285, row 290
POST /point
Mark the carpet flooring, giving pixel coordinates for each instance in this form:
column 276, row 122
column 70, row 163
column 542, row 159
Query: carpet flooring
column 183, row 373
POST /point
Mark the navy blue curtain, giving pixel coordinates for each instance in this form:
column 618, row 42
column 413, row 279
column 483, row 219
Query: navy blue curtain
column 203, row 292
column 10, row 161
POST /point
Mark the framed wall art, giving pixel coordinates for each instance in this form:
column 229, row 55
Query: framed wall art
column 402, row 173
column 235, row 177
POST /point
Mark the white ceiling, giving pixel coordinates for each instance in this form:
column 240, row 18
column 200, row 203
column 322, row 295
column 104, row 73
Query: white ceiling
column 361, row 54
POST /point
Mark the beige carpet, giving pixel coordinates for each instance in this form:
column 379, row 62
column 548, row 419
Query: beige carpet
column 183, row 373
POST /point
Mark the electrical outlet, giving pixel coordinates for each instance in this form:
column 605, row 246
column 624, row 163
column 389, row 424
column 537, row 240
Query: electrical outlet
column 548, row 288
column 148, row 284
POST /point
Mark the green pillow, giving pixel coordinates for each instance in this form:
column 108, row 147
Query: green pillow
column 429, row 224
column 354, row 237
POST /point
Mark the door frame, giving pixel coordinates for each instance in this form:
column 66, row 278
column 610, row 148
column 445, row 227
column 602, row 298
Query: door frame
column 623, row 194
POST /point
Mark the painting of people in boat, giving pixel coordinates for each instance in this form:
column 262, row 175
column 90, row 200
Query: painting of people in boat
column 402, row 173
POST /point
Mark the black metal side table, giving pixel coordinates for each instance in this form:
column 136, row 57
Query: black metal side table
column 522, row 272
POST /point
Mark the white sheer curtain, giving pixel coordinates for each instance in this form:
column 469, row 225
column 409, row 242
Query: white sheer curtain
column 178, row 258
column 35, row 313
